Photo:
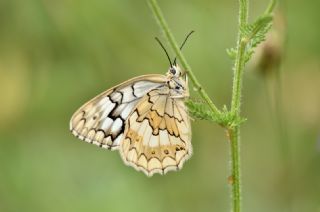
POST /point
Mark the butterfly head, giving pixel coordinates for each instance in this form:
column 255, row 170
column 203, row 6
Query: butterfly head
column 177, row 81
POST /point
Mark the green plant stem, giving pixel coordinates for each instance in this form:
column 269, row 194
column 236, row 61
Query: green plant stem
column 271, row 7
column 237, row 78
column 234, row 133
column 164, row 26
column 243, row 13
column 234, row 137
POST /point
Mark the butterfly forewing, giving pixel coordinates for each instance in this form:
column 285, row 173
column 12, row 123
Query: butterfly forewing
column 157, row 138
column 101, row 121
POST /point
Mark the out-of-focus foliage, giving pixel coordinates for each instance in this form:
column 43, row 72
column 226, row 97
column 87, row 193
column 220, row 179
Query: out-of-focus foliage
column 55, row 55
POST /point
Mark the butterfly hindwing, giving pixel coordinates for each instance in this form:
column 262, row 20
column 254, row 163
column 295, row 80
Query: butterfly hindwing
column 157, row 138
column 102, row 120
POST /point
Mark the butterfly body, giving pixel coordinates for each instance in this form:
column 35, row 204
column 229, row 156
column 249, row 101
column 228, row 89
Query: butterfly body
column 145, row 118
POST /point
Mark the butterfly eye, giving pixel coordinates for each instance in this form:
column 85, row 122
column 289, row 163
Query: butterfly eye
column 177, row 87
column 173, row 71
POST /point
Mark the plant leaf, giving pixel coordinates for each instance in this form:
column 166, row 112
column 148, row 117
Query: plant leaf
column 256, row 33
column 200, row 111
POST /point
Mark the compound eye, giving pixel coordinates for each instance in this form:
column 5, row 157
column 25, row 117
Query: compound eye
column 173, row 71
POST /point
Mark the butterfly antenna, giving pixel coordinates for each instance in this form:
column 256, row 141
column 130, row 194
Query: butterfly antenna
column 185, row 40
column 157, row 39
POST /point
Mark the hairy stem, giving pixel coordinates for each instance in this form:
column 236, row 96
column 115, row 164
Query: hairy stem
column 234, row 136
column 271, row 7
column 234, row 133
column 164, row 26
column 237, row 78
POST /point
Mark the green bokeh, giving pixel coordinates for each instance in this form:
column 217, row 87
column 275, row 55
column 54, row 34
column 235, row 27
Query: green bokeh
column 55, row 55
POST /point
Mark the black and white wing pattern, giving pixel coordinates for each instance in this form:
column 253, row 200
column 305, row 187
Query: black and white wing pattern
column 102, row 120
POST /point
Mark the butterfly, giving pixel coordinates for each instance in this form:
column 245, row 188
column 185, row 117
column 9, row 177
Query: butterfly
column 145, row 118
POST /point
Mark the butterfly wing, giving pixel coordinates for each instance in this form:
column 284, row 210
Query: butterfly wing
column 101, row 121
column 158, row 136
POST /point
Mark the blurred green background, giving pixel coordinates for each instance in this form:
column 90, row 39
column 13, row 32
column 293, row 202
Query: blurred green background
column 55, row 55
